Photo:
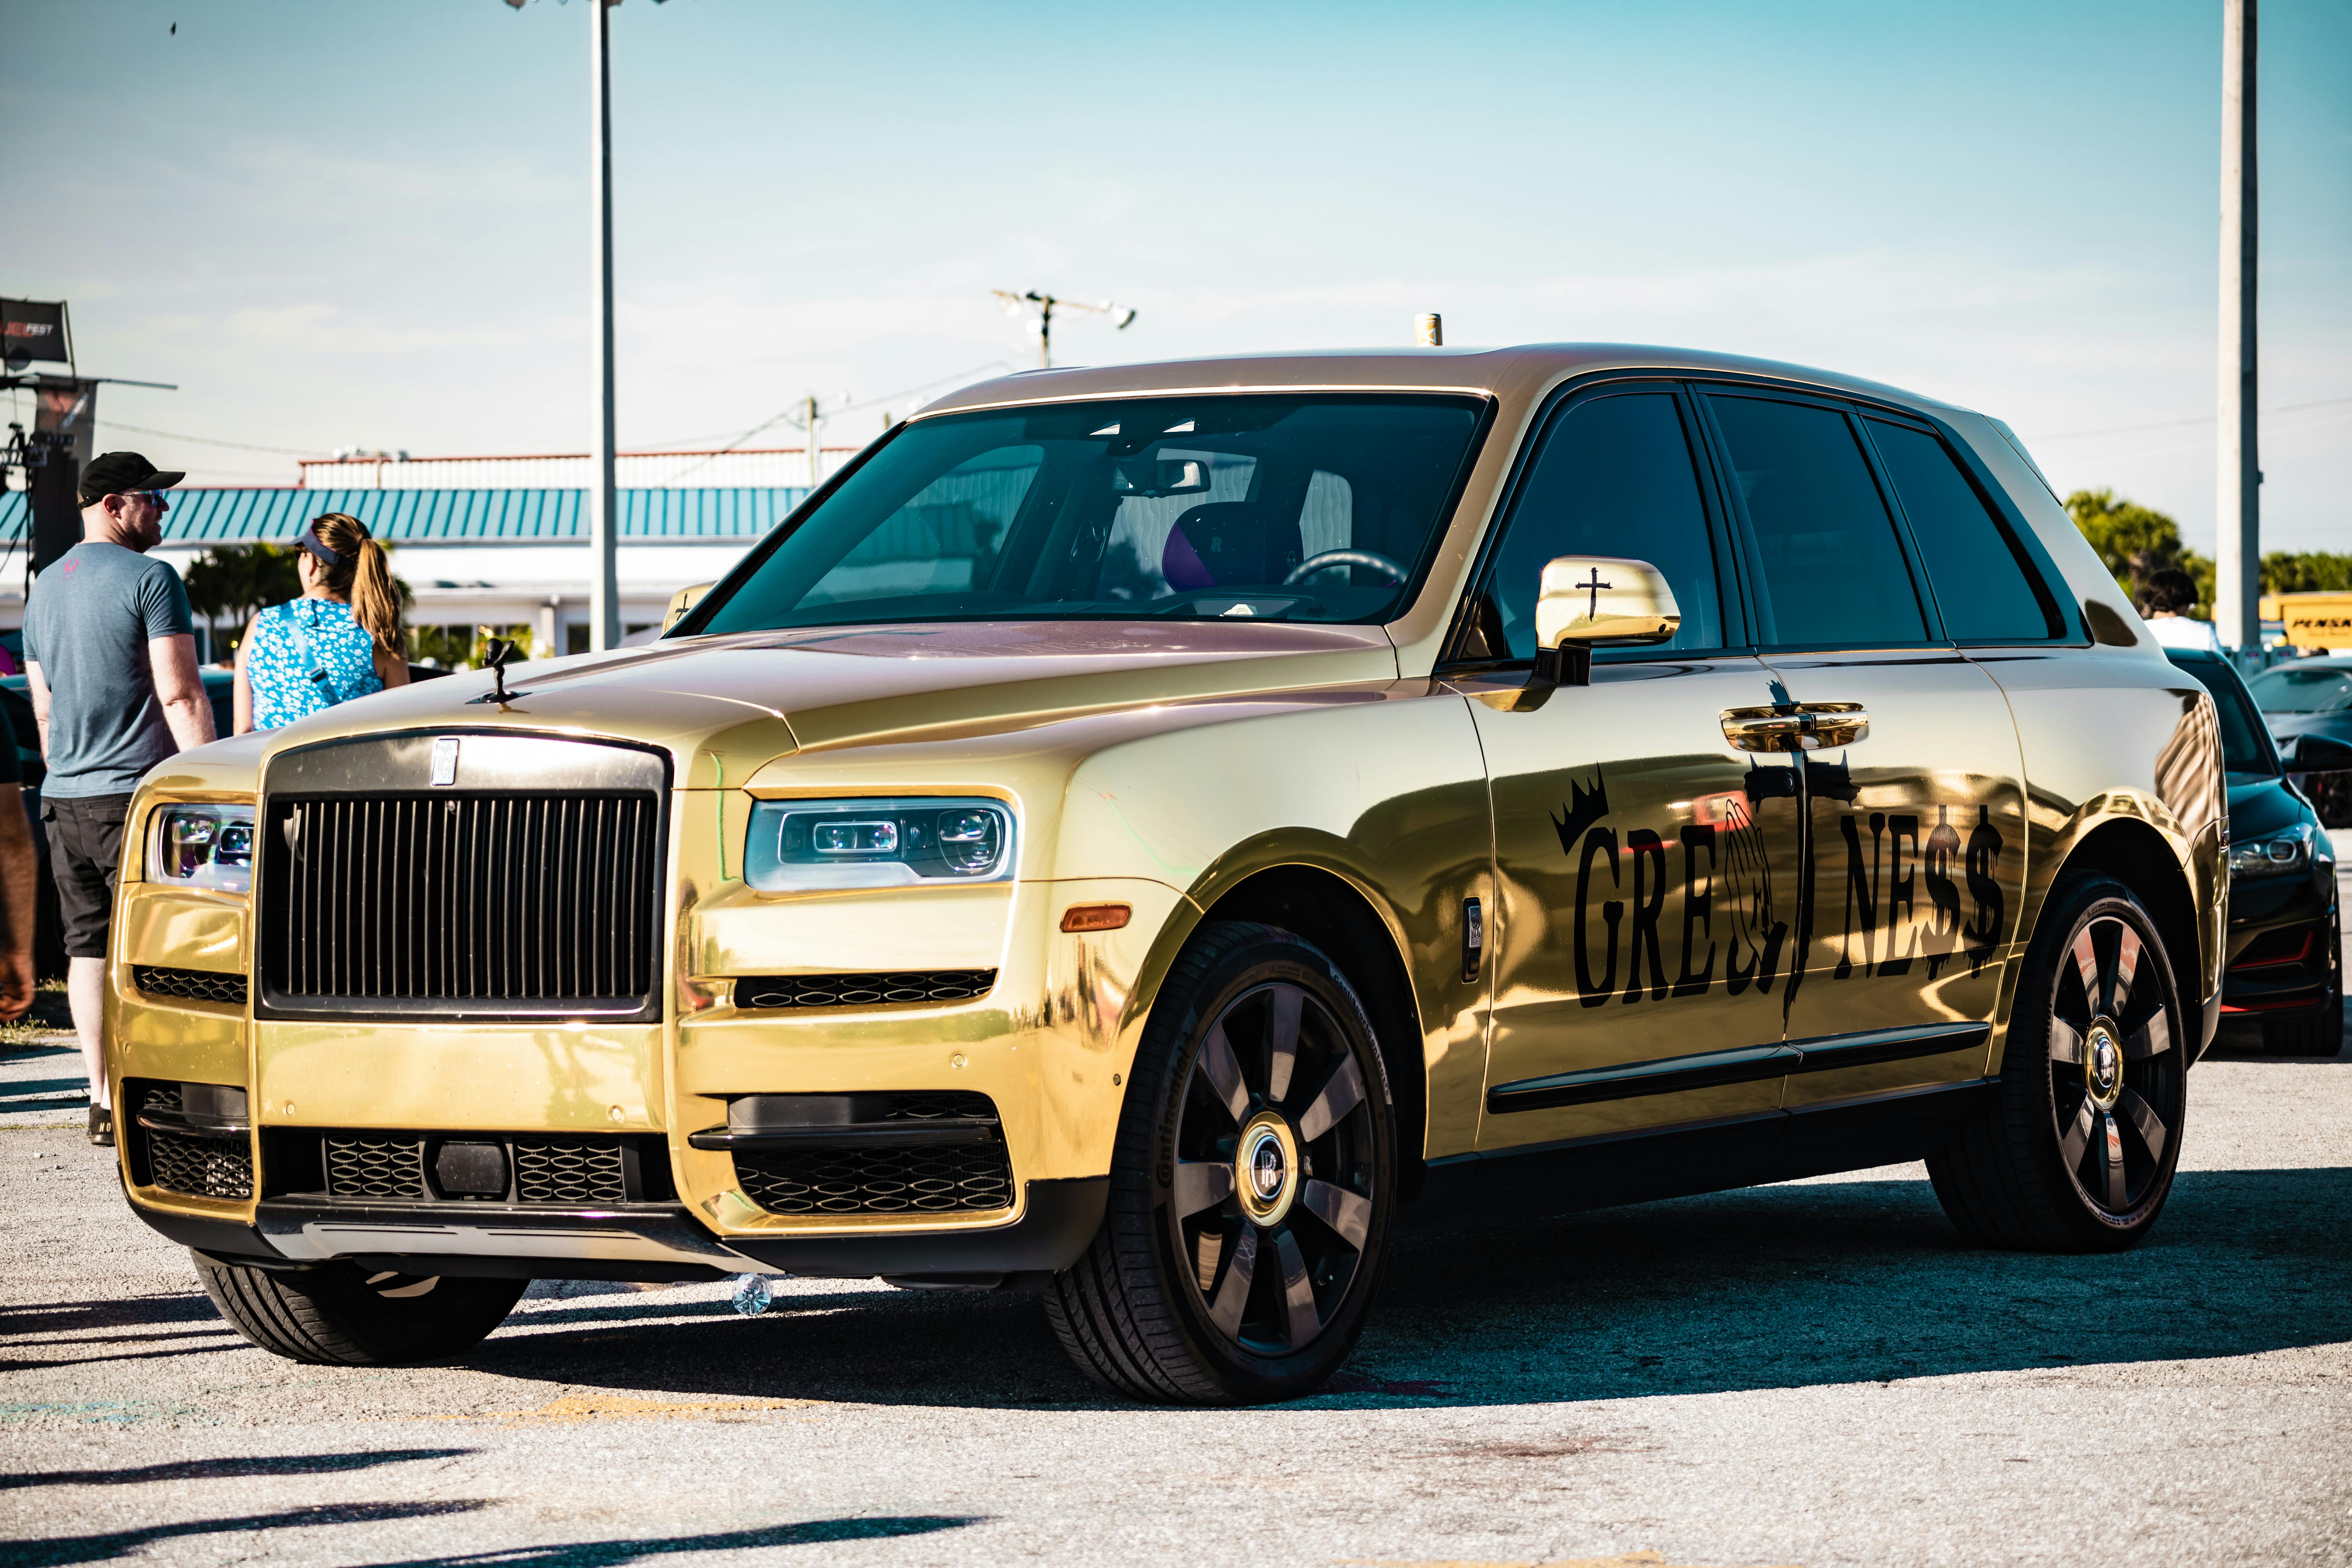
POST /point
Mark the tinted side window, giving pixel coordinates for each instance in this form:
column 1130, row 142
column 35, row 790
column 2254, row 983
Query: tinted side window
column 1833, row 571
column 1613, row 477
column 1980, row 585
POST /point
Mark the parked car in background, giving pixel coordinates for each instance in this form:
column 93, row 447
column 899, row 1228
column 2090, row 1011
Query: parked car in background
column 2284, row 947
column 2307, row 706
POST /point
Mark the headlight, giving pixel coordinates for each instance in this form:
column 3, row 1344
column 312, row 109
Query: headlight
column 806, row 844
column 203, row 846
column 2273, row 855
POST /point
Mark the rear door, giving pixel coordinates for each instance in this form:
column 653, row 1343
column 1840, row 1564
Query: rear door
column 1914, row 860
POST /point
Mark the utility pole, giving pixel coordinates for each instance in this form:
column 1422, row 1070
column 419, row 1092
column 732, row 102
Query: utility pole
column 1121, row 315
column 604, row 586
column 2237, row 520
column 808, row 423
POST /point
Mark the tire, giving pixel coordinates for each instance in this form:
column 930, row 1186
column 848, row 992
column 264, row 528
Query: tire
column 340, row 1315
column 2077, row 1154
column 1250, row 1194
column 2321, row 1036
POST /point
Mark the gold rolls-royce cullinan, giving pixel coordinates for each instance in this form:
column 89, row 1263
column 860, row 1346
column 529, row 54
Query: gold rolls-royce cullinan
column 1140, row 835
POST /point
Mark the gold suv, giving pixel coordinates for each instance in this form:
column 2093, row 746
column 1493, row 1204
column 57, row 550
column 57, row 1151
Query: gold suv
column 1140, row 835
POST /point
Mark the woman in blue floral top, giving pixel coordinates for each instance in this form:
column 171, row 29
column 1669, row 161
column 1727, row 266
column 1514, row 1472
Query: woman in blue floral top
column 340, row 639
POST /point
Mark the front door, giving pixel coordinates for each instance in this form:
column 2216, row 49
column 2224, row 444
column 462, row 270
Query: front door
column 1915, row 837
column 1645, row 871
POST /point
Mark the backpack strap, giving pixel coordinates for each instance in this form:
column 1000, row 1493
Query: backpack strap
column 317, row 667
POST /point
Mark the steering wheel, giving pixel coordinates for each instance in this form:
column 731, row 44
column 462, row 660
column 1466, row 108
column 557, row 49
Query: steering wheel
column 1315, row 563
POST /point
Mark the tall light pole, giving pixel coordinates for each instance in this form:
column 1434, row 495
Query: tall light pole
column 604, row 585
column 2238, row 574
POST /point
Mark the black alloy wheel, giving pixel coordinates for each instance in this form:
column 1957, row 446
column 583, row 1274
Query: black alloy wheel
column 2114, row 1060
column 2079, row 1151
column 1251, row 1183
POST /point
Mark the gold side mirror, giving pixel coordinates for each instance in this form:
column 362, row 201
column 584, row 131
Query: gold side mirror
column 683, row 601
column 1598, row 601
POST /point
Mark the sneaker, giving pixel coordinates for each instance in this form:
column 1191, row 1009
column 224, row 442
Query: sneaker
column 101, row 1127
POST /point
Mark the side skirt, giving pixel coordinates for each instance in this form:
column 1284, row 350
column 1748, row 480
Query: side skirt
column 1700, row 1157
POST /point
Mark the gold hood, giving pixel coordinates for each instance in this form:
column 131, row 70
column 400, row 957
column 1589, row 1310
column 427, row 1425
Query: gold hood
column 724, row 705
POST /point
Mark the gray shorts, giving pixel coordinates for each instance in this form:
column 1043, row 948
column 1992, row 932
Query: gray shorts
column 84, row 860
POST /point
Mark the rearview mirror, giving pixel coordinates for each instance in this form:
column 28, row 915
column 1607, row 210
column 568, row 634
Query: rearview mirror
column 2317, row 754
column 1586, row 602
column 1161, row 476
column 683, row 601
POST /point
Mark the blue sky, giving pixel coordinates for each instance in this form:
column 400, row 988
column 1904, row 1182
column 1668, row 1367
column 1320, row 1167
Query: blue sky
column 348, row 224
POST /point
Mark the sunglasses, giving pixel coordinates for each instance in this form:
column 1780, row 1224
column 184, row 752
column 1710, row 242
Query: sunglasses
column 153, row 498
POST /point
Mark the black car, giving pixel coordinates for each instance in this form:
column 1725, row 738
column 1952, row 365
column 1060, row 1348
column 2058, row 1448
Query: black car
column 2308, row 707
column 2284, row 952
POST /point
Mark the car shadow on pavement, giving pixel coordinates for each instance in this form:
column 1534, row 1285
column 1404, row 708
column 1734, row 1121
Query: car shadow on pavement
column 1765, row 1288
column 54, row 1318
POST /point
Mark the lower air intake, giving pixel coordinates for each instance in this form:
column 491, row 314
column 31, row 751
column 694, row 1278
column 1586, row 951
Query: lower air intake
column 381, row 1167
column 567, row 1170
column 192, row 985
column 907, row 989
column 939, row 1178
column 201, row 1167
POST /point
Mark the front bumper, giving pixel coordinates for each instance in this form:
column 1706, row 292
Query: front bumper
column 2281, row 960
column 658, row 1243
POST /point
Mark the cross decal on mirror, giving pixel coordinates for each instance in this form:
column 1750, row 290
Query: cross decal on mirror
column 1595, row 584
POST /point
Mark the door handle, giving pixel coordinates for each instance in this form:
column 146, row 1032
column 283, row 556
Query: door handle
column 1795, row 726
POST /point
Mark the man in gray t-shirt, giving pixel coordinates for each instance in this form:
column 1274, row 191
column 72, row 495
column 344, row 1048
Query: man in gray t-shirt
column 111, row 652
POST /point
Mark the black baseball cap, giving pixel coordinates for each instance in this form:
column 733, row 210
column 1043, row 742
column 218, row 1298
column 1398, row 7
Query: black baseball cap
column 118, row 473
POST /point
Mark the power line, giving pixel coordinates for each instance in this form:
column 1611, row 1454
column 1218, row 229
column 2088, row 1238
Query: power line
column 208, row 441
column 2179, row 424
column 798, row 404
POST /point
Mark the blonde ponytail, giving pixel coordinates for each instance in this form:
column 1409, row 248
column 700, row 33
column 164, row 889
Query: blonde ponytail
column 362, row 573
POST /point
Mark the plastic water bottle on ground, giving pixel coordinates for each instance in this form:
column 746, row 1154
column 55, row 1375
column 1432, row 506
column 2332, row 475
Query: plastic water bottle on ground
column 752, row 1294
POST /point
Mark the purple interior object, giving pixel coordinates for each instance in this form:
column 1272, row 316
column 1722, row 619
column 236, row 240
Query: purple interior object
column 1182, row 565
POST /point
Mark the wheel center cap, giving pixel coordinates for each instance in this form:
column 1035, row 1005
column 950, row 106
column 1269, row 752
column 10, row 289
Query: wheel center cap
column 2103, row 1063
column 1266, row 1167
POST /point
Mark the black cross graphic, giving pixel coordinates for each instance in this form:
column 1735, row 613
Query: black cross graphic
column 1596, row 584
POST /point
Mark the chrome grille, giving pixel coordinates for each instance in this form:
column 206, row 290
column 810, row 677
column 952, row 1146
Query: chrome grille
column 877, row 1178
column 195, row 984
column 359, row 1166
column 894, row 990
column 463, row 903
column 566, row 1171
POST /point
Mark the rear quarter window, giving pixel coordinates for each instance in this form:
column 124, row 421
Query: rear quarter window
column 1975, row 568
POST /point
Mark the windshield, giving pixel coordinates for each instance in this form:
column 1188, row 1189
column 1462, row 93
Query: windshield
column 1304, row 506
column 2246, row 750
column 2286, row 690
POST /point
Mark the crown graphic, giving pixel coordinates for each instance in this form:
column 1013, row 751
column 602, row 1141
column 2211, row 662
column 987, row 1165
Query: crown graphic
column 1584, row 808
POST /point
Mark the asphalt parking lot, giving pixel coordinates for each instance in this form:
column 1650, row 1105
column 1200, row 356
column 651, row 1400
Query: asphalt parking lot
column 1816, row 1373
